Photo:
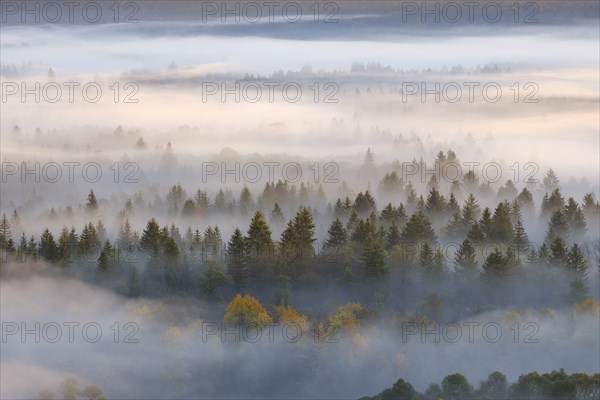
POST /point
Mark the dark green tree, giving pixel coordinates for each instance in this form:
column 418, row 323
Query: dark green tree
column 418, row 229
column 237, row 267
column 495, row 386
column 48, row 247
column 246, row 202
column 189, row 209
column 373, row 257
column 558, row 252
column 258, row 238
column 501, row 229
column 91, row 207
column 497, row 265
column 558, row 226
column 337, row 236
column 576, row 261
column 105, row 263
column 485, row 223
column 151, row 238
column 456, row 387
column 393, row 237
column 465, row 258
column 212, row 278
column 520, row 239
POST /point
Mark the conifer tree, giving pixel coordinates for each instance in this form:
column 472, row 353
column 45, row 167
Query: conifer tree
column 48, row 247
column 575, row 219
column 426, row 256
column 189, row 208
column 501, row 228
column 258, row 238
column 373, row 257
column 496, row 264
column 558, row 251
column 5, row 232
column 276, row 217
column 393, row 237
column 525, row 199
column 202, row 202
column 105, row 260
column 576, row 261
column 237, row 267
column 465, row 258
column 125, row 237
column 246, row 202
column 151, row 238
column 485, row 223
column 91, row 207
column 418, row 229
column 520, row 239
column 337, row 236
column 558, row 226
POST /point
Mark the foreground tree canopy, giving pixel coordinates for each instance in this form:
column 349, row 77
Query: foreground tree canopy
column 556, row 385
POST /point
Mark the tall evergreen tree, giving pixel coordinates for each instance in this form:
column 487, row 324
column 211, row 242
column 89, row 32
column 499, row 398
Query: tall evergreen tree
column 558, row 226
column 575, row 219
column 91, row 207
column 237, row 267
column 373, row 257
column 393, row 237
column 525, row 200
column 48, row 247
column 501, row 228
column 465, row 258
column 485, row 223
column 576, row 261
column 175, row 199
column 497, row 265
column 189, row 208
column 106, row 260
column 387, row 216
column 125, row 237
column 5, row 232
column 418, row 229
column 259, row 235
column 246, row 203
column 520, row 239
column 220, row 201
column 558, row 251
column 426, row 256
column 435, row 206
column 151, row 238
column 553, row 202
column 550, row 181
column 202, row 202
column 337, row 236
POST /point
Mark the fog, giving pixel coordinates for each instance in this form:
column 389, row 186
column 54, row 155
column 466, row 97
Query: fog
column 169, row 362
column 373, row 135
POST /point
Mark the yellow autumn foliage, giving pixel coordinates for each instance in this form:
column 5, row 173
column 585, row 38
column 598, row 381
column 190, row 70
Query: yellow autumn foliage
column 289, row 315
column 348, row 317
column 588, row 306
column 246, row 310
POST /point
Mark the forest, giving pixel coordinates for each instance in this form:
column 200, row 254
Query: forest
column 409, row 268
column 227, row 200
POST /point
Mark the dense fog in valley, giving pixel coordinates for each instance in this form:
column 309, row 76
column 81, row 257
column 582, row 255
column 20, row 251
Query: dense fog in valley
column 359, row 204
